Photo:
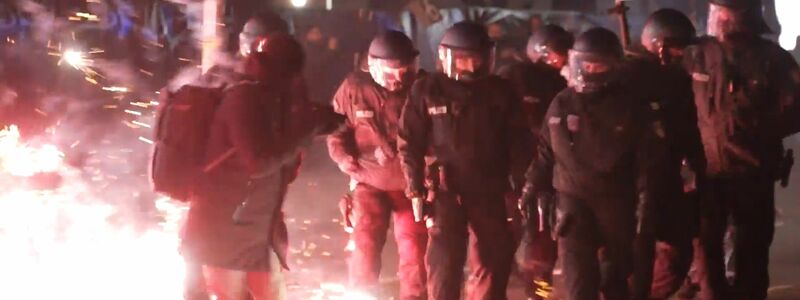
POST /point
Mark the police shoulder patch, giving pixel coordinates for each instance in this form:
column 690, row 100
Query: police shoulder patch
column 655, row 105
column 437, row 110
column 700, row 77
column 365, row 114
column 531, row 99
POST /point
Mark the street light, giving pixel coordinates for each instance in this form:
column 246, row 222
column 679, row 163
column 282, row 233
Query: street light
column 299, row 3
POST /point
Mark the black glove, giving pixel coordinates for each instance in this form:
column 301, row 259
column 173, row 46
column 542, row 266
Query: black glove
column 527, row 205
column 421, row 206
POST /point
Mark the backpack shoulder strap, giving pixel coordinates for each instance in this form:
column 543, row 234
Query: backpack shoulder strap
column 240, row 83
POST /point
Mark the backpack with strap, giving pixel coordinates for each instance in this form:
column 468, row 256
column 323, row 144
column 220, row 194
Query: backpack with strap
column 183, row 124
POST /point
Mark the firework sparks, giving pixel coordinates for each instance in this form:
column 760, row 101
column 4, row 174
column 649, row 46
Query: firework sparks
column 74, row 58
column 115, row 89
column 61, row 243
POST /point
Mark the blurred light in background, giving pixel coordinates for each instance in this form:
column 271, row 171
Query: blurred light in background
column 787, row 11
column 299, row 3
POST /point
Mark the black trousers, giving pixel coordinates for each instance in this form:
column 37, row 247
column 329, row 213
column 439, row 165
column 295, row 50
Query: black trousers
column 663, row 259
column 476, row 221
column 595, row 245
column 750, row 202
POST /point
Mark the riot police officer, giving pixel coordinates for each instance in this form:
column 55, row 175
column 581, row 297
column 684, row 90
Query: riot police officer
column 537, row 81
column 463, row 127
column 656, row 69
column 595, row 153
column 746, row 91
column 366, row 150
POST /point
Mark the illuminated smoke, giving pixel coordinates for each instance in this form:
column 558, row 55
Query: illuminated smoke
column 44, row 21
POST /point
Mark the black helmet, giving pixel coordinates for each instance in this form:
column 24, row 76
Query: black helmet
column 391, row 60
column 392, row 44
column 466, row 52
column 727, row 17
column 260, row 25
column 278, row 54
column 599, row 41
column 550, row 44
column 666, row 32
column 594, row 60
column 270, row 21
column 467, row 35
column 670, row 25
column 737, row 4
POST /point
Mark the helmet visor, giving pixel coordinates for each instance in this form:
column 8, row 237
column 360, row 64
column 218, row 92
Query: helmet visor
column 590, row 72
column 391, row 74
column 465, row 65
column 545, row 54
column 669, row 50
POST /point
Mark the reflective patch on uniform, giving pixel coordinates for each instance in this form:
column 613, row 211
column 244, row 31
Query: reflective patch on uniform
column 554, row 121
column 363, row 114
column 437, row 110
column 658, row 127
column 531, row 99
column 655, row 105
column 573, row 123
column 700, row 77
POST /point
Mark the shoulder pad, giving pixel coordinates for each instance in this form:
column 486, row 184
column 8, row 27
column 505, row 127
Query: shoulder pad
column 358, row 77
column 774, row 50
column 706, row 39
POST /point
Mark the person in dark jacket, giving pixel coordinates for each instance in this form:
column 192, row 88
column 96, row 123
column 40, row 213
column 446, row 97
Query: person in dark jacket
column 366, row 150
column 224, row 73
column 595, row 154
column 663, row 259
column 464, row 129
column 746, row 91
column 538, row 80
column 232, row 224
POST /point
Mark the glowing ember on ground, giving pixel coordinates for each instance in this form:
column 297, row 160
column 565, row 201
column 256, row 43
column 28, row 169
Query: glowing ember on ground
column 62, row 243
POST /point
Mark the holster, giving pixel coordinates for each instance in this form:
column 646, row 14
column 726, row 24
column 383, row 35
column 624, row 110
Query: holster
column 435, row 183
